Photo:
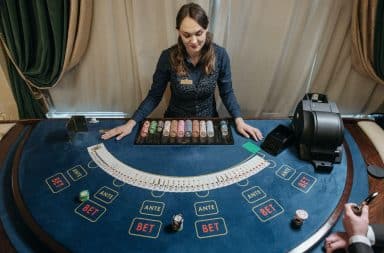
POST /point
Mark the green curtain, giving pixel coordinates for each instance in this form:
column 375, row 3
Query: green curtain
column 379, row 40
column 35, row 33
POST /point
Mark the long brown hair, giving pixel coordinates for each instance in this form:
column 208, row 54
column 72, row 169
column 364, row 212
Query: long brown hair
column 179, row 52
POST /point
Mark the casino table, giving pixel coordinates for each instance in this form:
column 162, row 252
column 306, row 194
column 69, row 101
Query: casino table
column 233, row 197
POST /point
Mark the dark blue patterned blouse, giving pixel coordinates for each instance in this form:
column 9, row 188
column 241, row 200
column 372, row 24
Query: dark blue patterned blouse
column 193, row 96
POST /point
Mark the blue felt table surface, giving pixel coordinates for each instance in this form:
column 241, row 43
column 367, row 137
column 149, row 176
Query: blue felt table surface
column 48, row 152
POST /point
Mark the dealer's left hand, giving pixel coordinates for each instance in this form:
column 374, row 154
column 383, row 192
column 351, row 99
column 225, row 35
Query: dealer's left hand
column 247, row 130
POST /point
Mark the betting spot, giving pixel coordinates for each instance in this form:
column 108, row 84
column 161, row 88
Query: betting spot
column 145, row 228
column 253, row 194
column 153, row 208
column 268, row 210
column 106, row 194
column 76, row 172
column 304, row 182
column 57, row 182
column 210, row 228
column 91, row 164
column 117, row 183
column 285, row 172
column 90, row 210
column 206, row 208
column 243, row 183
column 157, row 194
column 272, row 164
column 202, row 194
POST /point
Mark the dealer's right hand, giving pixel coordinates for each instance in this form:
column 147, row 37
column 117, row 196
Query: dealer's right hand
column 120, row 131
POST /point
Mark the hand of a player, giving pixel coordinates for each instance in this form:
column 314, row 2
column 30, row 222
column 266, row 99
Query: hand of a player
column 336, row 241
column 120, row 131
column 247, row 130
column 353, row 224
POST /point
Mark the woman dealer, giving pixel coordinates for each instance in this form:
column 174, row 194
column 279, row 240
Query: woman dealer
column 193, row 67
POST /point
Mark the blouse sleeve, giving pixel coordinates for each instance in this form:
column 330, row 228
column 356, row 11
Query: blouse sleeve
column 160, row 80
column 225, row 85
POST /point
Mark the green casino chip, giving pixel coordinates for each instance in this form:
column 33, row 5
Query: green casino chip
column 84, row 195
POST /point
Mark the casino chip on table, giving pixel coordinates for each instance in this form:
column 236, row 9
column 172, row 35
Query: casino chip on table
column 299, row 218
column 177, row 222
column 84, row 196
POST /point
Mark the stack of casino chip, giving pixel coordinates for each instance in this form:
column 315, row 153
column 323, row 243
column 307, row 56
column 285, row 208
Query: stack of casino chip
column 188, row 128
column 180, row 128
column 195, row 128
column 210, row 131
column 299, row 218
column 160, row 126
column 203, row 129
column 84, row 195
column 224, row 127
column 153, row 127
column 167, row 128
column 177, row 222
column 173, row 131
column 144, row 129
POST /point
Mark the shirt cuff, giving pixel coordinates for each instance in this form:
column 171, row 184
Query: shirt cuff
column 137, row 117
column 359, row 238
column 371, row 235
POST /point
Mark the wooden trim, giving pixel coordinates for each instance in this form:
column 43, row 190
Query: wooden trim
column 371, row 157
column 5, row 145
column 25, row 214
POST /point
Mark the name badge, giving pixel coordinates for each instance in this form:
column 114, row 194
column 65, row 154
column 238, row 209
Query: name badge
column 186, row 81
